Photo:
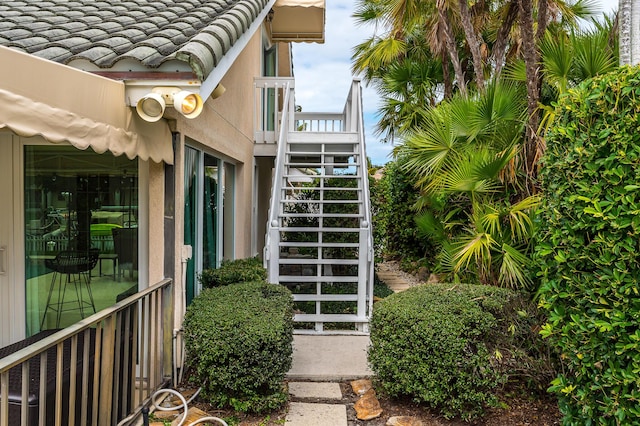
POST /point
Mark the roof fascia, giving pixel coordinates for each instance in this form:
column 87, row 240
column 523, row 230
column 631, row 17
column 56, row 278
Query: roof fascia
column 214, row 78
column 137, row 86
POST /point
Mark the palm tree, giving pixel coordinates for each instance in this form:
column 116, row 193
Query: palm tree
column 473, row 156
column 407, row 28
column 409, row 89
column 458, row 160
column 567, row 58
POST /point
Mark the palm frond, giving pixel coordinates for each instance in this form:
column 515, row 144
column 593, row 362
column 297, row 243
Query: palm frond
column 593, row 55
column 474, row 248
column 488, row 219
column 520, row 217
column 515, row 71
column 463, row 177
column 557, row 59
column 513, row 268
column 427, row 150
column 429, row 225
column 490, row 167
column 367, row 12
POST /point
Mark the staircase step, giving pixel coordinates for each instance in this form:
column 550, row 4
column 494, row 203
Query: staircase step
column 327, row 188
column 316, row 279
column 330, row 318
column 317, row 244
column 319, row 164
column 323, row 137
column 319, row 154
column 292, row 201
column 291, row 261
column 318, row 229
column 325, row 297
column 324, row 176
column 300, row 215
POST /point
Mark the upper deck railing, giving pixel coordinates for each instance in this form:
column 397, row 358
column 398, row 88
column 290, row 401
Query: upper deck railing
column 97, row 371
column 269, row 105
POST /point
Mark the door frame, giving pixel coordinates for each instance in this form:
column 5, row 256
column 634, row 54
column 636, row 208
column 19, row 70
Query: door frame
column 12, row 290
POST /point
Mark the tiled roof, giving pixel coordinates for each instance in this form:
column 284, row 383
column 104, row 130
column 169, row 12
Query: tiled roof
column 151, row 32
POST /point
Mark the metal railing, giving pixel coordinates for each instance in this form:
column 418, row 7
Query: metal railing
column 269, row 101
column 272, row 236
column 349, row 121
column 354, row 104
column 95, row 372
column 319, row 122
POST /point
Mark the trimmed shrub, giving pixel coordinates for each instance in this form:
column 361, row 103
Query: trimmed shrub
column 238, row 340
column 589, row 249
column 452, row 346
column 234, row 271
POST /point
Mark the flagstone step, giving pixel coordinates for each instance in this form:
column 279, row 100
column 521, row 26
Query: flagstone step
column 313, row 414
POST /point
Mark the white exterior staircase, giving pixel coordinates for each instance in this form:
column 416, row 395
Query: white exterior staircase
column 319, row 241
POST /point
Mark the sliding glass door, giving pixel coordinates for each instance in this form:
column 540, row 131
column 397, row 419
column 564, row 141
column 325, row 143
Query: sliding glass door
column 204, row 213
column 80, row 233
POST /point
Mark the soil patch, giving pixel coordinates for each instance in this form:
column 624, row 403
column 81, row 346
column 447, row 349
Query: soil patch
column 517, row 410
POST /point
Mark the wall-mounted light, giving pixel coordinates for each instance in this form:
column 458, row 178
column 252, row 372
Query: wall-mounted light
column 218, row 91
column 151, row 106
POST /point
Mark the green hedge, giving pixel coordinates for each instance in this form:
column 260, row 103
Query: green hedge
column 234, row 271
column 589, row 250
column 452, row 346
column 238, row 341
column 401, row 239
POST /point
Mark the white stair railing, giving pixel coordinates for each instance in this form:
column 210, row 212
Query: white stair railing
column 327, row 148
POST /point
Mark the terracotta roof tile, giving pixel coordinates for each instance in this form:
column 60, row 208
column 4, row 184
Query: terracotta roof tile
column 198, row 32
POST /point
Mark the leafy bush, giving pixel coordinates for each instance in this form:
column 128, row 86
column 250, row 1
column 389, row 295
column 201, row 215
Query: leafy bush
column 589, row 251
column 238, row 340
column 402, row 240
column 451, row 347
column 233, row 271
column 380, row 288
column 378, row 193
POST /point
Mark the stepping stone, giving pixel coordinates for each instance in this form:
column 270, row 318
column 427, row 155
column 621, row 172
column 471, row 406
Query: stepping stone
column 368, row 406
column 318, row 390
column 360, row 387
column 404, row 421
column 305, row 414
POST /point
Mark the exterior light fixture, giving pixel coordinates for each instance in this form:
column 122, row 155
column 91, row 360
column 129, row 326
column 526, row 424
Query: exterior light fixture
column 218, row 91
column 188, row 104
column 151, row 106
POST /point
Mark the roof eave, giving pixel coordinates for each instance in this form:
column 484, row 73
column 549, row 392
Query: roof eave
column 202, row 83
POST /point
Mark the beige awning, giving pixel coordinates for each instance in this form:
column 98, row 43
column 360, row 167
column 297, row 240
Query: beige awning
column 298, row 20
column 60, row 103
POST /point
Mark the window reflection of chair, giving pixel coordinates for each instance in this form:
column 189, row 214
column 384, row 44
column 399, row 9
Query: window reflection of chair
column 74, row 267
column 125, row 242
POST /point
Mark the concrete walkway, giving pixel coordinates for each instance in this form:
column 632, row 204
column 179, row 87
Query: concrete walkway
column 329, row 357
column 320, row 363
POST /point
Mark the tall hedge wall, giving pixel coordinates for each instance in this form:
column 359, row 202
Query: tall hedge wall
column 589, row 250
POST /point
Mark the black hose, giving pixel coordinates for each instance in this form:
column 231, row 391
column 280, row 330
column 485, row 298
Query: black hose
column 145, row 416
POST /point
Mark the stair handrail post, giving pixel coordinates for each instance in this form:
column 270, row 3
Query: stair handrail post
column 272, row 250
column 358, row 112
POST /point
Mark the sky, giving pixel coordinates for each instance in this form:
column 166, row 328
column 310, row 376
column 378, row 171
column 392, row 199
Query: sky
column 323, row 71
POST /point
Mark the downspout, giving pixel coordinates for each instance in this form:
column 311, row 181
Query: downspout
column 178, row 340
